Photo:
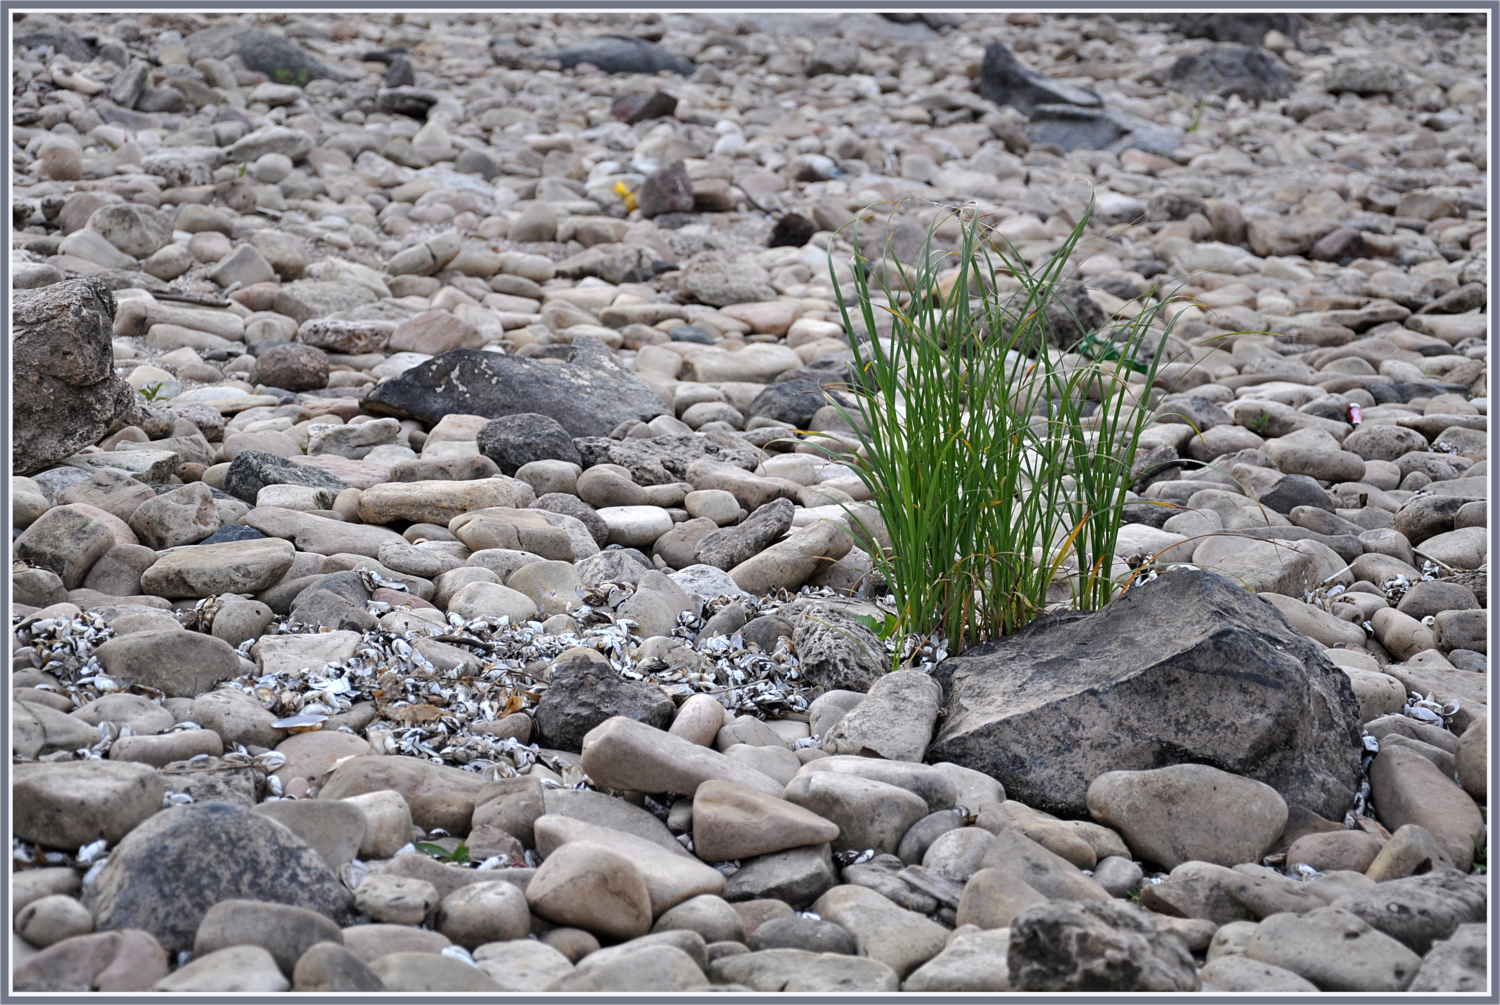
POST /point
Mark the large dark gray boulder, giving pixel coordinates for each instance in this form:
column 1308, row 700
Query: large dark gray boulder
column 1252, row 73
column 1188, row 669
column 169, row 871
column 622, row 54
column 589, row 395
column 1244, row 28
column 277, row 56
column 65, row 394
column 1003, row 80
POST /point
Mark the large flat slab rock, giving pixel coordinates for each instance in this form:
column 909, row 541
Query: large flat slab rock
column 589, row 395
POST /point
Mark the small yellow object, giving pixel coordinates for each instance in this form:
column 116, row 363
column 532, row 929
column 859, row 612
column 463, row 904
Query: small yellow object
column 627, row 196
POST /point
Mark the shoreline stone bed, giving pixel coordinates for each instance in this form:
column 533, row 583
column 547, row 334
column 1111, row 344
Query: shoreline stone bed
column 440, row 563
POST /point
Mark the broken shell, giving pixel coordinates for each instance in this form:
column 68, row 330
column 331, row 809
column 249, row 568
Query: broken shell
column 300, row 723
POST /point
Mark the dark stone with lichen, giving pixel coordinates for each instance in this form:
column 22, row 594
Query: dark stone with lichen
column 166, row 873
column 65, row 394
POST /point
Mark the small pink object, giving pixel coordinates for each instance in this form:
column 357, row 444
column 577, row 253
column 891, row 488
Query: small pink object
column 1355, row 415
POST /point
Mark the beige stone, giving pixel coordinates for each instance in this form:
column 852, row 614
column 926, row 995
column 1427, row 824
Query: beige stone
column 993, row 897
column 1408, row 789
column 592, row 887
column 670, row 878
column 733, row 822
column 621, row 753
column 1189, row 812
column 902, row 940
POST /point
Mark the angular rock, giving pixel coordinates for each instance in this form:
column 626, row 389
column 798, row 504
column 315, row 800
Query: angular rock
column 513, row 441
column 1095, row 947
column 666, row 190
column 1046, row 872
column 1289, row 720
column 734, row 822
column 291, row 367
column 1005, row 81
column 837, row 651
column 727, row 547
column 253, row 470
column 902, row 940
column 993, row 898
column 1197, row 891
column 798, row 876
column 894, row 721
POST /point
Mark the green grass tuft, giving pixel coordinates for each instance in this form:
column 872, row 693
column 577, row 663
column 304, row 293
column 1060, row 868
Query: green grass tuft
column 998, row 463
